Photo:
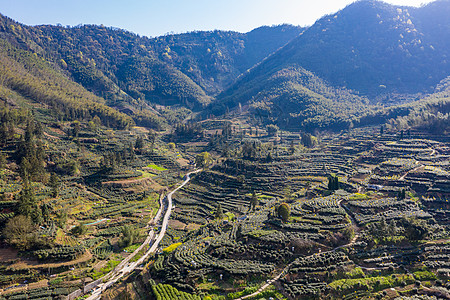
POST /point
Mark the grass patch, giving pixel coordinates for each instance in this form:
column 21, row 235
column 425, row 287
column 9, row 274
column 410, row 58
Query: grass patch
column 355, row 273
column 370, row 283
column 55, row 281
column 145, row 174
column 172, row 247
column 106, row 269
column 132, row 248
column 302, row 220
column 247, row 291
column 230, row 216
column 259, row 233
column 156, row 167
column 424, row 275
column 358, row 196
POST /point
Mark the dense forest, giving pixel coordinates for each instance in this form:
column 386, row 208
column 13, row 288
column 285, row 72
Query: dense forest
column 360, row 66
column 386, row 54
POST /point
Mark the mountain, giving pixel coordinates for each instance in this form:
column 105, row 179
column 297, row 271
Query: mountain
column 370, row 49
column 27, row 78
column 214, row 59
column 338, row 73
column 119, row 66
column 295, row 98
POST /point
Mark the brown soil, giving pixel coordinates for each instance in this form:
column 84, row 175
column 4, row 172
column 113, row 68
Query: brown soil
column 13, row 290
column 51, row 136
column 193, row 226
column 183, row 162
column 39, row 284
column 57, row 131
column 175, row 224
column 99, row 265
column 33, row 264
column 135, row 184
column 7, row 254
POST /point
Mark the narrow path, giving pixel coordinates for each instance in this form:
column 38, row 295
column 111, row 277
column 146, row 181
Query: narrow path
column 271, row 281
column 413, row 170
column 125, row 267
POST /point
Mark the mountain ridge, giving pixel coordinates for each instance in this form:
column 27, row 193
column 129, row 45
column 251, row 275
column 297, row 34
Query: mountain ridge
column 381, row 59
column 330, row 75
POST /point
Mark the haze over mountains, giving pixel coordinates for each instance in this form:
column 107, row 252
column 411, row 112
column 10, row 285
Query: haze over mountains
column 342, row 71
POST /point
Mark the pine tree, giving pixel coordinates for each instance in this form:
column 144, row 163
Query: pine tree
column 292, row 148
column 333, row 183
column 254, row 201
column 54, row 184
column 152, row 139
column 27, row 204
column 139, row 143
column 2, row 161
column 219, row 212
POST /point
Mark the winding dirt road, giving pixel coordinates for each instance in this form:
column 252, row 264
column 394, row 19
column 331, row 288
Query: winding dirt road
column 125, row 267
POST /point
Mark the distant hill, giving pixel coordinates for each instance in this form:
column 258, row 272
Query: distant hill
column 184, row 69
column 214, row 59
column 357, row 66
column 295, row 98
column 369, row 49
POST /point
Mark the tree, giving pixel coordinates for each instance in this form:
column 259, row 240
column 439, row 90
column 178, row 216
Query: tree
column 96, row 120
column 76, row 129
column 4, row 136
column 2, row 161
column 17, row 231
column 128, row 236
column 249, row 150
column 292, row 148
column 284, row 211
column 218, row 214
column 62, row 217
column 139, row 143
column 415, row 229
column 333, row 183
column 272, row 130
column 253, row 200
column 308, row 140
column 152, row 138
column 45, row 208
column 79, row 230
column 27, row 204
column 392, row 228
column 203, row 160
column 54, row 184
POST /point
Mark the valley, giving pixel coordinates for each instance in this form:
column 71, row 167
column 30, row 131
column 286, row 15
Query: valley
column 287, row 162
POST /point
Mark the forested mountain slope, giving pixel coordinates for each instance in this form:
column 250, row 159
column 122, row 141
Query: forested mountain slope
column 374, row 49
column 28, row 76
column 340, row 72
column 215, row 59
column 118, row 65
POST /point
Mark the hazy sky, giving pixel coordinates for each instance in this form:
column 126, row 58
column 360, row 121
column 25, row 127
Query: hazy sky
column 157, row 17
